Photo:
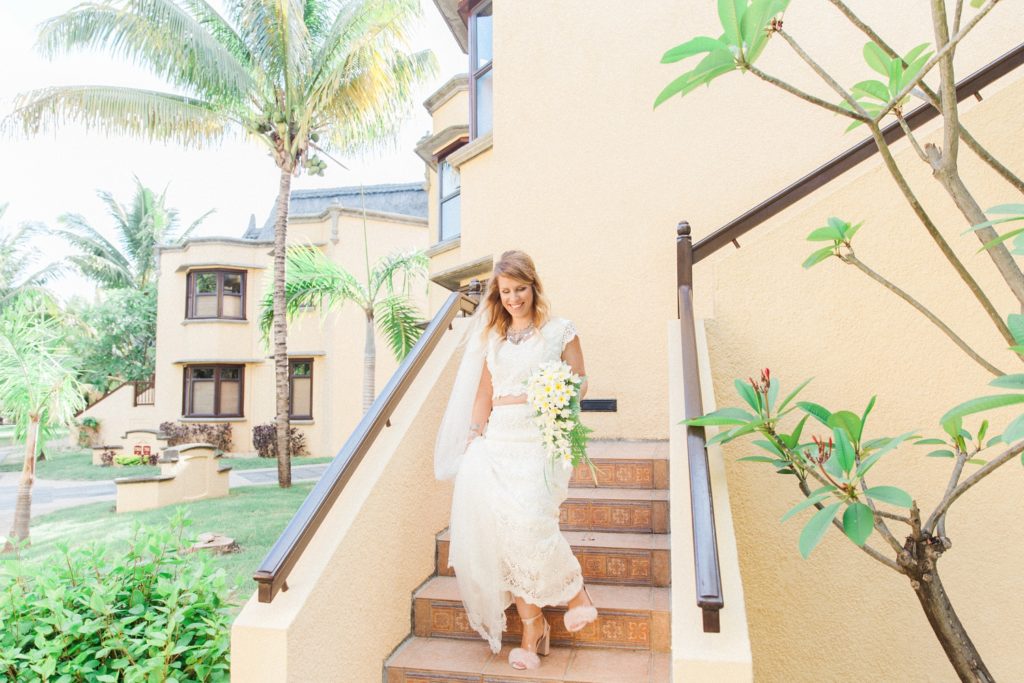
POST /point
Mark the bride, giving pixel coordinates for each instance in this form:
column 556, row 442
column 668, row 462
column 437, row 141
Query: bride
column 506, row 545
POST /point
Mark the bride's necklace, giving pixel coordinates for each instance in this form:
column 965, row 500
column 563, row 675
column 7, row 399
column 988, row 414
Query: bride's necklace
column 519, row 336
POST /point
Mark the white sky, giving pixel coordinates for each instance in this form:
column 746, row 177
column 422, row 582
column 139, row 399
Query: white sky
column 44, row 177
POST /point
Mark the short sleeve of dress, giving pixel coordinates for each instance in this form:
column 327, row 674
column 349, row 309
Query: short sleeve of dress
column 568, row 333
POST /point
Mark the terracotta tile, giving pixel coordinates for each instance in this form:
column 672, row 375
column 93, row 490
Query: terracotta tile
column 661, row 572
column 661, row 632
column 443, row 654
column 661, row 668
column 552, row 667
column 661, row 474
column 609, row 666
column 659, row 517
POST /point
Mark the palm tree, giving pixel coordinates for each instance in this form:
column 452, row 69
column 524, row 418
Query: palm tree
column 316, row 281
column 140, row 229
column 298, row 76
column 17, row 260
column 38, row 390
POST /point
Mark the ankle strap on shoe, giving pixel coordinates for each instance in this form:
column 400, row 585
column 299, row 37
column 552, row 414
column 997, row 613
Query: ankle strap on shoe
column 532, row 619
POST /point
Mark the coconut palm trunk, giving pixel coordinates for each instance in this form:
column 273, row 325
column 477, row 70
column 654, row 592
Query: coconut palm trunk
column 23, row 504
column 284, row 465
column 369, row 364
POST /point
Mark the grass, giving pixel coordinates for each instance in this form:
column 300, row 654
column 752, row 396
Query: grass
column 77, row 464
column 252, row 515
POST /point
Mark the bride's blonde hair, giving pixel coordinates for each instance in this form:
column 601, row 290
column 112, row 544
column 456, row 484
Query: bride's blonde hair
column 517, row 265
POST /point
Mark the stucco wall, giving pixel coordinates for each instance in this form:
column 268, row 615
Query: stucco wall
column 117, row 414
column 335, row 341
column 856, row 339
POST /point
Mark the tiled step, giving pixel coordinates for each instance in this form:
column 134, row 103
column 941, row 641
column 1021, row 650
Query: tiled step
column 625, row 464
column 433, row 660
column 631, row 617
column 610, row 558
column 608, row 509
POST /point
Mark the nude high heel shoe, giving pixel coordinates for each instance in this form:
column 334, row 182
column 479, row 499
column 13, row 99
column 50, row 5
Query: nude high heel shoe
column 577, row 618
column 521, row 658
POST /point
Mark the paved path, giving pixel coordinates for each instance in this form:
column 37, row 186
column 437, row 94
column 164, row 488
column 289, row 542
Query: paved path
column 53, row 494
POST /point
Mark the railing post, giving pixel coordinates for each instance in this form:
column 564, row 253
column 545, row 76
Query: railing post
column 705, row 541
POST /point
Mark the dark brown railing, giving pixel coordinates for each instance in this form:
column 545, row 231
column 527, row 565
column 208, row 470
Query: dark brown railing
column 145, row 392
column 705, row 542
column 272, row 574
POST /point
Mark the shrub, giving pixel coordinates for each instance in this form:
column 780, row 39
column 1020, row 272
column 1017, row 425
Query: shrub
column 88, row 429
column 264, row 440
column 217, row 435
column 127, row 459
column 147, row 612
column 107, row 458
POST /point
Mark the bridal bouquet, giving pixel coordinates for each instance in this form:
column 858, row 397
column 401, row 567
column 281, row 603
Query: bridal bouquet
column 553, row 391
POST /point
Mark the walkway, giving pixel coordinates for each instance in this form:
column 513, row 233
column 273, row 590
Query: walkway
column 53, row 494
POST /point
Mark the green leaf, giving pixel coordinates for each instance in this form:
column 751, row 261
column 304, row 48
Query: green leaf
column 945, row 453
column 1015, row 430
column 826, row 233
column 754, row 24
column 795, row 436
column 895, row 77
column 851, row 231
column 818, row 256
column 820, row 413
column 717, row 63
column 723, row 416
column 929, row 442
column 858, row 521
column 1009, row 381
column 730, row 13
column 1008, row 208
column 768, row 446
column 876, row 58
column 692, row 47
column 867, row 411
column 872, row 88
column 773, row 393
column 747, row 393
column 815, row 529
column 848, row 421
column 953, row 426
column 977, row 405
column 805, row 503
column 982, row 430
column 889, row 445
column 791, row 395
column 890, row 494
column 1015, row 321
column 843, row 452
column 999, row 240
column 915, row 53
column 977, row 461
column 758, row 458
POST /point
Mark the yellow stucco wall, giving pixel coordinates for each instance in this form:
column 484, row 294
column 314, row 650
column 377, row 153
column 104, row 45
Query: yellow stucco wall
column 117, row 413
column 857, row 339
column 335, row 342
column 589, row 180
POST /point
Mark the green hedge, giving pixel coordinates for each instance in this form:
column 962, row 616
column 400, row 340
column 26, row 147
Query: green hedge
column 148, row 612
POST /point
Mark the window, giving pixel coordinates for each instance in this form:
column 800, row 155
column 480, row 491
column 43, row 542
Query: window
column 450, row 212
column 216, row 294
column 300, row 388
column 213, row 391
column 481, row 91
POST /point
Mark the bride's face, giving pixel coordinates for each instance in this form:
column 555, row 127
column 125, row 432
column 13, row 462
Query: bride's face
column 516, row 297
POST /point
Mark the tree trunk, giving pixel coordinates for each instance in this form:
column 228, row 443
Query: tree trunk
column 23, row 506
column 284, row 466
column 369, row 364
column 950, row 632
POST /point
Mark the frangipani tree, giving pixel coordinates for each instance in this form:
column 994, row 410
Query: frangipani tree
column 38, row 390
column 301, row 78
column 314, row 281
column 832, row 464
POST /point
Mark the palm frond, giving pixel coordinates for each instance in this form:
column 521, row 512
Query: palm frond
column 312, row 281
column 398, row 319
column 276, row 34
column 159, row 34
column 222, row 30
column 145, row 113
column 97, row 258
column 180, row 239
column 410, row 265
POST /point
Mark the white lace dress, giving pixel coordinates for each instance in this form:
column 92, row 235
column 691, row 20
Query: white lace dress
column 505, row 539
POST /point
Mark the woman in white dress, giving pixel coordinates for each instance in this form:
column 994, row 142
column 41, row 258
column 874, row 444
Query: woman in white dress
column 506, row 545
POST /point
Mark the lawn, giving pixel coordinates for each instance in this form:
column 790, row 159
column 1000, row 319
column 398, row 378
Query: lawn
column 77, row 464
column 252, row 515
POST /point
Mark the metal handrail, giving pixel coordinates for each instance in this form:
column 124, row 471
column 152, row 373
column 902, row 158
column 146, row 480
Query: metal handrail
column 272, row 574
column 707, row 570
column 969, row 87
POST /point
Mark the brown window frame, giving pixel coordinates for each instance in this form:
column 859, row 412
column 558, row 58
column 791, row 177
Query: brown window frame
column 291, row 393
column 188, row 382
column 191, row 295
column 476, row 73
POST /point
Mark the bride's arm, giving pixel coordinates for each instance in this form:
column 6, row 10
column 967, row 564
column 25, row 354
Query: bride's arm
column 481, row 405
column 573, row 355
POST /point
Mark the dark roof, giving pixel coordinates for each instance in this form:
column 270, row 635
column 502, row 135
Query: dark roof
column 406, row 199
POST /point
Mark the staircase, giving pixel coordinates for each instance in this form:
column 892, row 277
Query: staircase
column 619, row 531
